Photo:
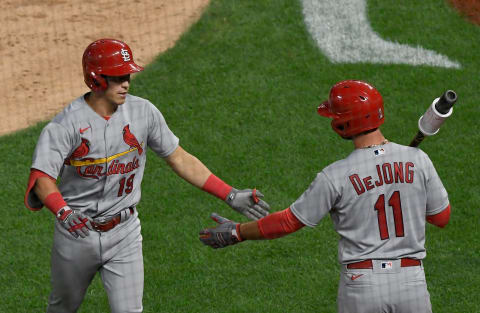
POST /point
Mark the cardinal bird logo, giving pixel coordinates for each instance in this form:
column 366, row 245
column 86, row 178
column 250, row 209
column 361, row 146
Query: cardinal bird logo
column 130, row 139
column 80, row 152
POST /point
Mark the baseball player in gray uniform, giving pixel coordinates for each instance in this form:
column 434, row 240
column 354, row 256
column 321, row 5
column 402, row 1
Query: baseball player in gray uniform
column 379, row 198
column 96, row 147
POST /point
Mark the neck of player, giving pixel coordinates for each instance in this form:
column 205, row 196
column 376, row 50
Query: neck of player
column 368, row 140
column 101, row 104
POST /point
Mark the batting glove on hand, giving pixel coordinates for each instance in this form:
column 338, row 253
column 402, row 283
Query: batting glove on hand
column 225, row 234
column 74, row 221
column 248, row 203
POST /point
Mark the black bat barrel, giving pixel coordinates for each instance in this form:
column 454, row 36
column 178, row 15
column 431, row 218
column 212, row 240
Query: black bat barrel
column 446, row 102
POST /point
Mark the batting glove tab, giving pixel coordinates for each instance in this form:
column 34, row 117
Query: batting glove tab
column 248, row 203
column 225, row 234
column 77, row 223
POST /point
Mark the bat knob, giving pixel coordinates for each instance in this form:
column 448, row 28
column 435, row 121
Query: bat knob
column 446, row 102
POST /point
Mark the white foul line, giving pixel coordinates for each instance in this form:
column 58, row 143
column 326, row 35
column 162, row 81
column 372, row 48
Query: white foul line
column 343, row 33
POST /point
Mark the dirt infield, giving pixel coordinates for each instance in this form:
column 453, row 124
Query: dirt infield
column 468, row 8
column 42, row 42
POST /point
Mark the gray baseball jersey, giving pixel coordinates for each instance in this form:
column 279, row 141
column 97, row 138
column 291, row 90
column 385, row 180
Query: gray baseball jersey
column 100, row 164
column 378, row 199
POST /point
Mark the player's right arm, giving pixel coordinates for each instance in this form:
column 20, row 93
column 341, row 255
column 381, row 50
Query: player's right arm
column 272, row 226
column 307, row 210
column 74, row 221
column 44, row 186
column 53, row 147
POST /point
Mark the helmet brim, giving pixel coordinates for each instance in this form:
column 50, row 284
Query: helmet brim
column 125, row 69
column 134, row 68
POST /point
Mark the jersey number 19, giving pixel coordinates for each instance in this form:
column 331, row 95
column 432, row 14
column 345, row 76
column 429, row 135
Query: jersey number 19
column 129, row 184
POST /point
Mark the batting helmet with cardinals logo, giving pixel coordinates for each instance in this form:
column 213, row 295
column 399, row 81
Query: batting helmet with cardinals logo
column 354, row 106
column 107, row 57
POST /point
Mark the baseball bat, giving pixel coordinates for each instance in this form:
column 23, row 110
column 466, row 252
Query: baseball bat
column 430, row 122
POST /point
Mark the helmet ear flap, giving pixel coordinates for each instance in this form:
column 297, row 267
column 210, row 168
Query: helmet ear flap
column 99, row 82
column 341, row 127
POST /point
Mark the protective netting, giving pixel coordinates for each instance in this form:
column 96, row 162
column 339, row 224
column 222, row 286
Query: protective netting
column 42, row 42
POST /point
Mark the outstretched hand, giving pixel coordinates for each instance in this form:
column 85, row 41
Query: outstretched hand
column 248, row 203
column 225, row 234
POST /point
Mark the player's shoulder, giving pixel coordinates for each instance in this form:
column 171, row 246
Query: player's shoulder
column 73, row 111
column 412, row 152
column 136, row 99
column 137, row 103
column 358, row 157
column 336, row 168
column 67, row 119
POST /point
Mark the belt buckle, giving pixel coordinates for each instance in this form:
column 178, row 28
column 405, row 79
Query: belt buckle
column 102, row 220
column 99, row 223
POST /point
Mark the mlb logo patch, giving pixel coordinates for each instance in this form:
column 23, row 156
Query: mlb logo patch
column 387, row 265
column 378, row 152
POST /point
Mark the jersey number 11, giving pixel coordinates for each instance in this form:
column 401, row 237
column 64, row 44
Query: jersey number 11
column 396, row 205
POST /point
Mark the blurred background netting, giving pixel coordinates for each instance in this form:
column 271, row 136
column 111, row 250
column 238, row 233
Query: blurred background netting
column 42, row 42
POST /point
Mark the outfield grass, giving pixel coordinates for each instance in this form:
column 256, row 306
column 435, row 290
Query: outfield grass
column 240, row 91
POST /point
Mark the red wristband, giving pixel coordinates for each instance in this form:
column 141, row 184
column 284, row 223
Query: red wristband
column 237, row 229
column 54, row 202
column 217, row 187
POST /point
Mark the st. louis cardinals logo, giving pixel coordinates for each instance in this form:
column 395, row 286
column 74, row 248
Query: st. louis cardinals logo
column 80, row 152
column 125, row 55
column 89, row 167
column 131, row 140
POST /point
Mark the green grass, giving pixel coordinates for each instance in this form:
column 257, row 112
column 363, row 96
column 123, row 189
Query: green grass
column 240, row 91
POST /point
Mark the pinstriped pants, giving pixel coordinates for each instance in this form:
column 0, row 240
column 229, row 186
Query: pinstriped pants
column 116, row 255
column 383, row 290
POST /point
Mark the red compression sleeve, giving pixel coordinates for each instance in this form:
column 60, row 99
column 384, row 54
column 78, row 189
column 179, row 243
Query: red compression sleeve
column 217, row 187
column 441, row 219
column 279, row 224
column 54, row 202
column 34, row 175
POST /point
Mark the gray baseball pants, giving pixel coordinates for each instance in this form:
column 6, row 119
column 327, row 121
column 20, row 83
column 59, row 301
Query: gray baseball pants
column 383, row 289
column 115, row 254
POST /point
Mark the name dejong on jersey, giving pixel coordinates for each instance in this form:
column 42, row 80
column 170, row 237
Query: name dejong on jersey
column 387, row 173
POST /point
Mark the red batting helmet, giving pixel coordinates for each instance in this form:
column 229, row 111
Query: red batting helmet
column 354, row 106
column 108, row 57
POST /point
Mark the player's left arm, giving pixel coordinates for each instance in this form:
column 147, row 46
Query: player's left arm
column 165, row 144
column 440, row 219
column 188, row 167
column 437, row 197
column 191, row 169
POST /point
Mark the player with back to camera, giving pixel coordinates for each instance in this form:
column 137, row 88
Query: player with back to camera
column 379, row 198
column 97, row 148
